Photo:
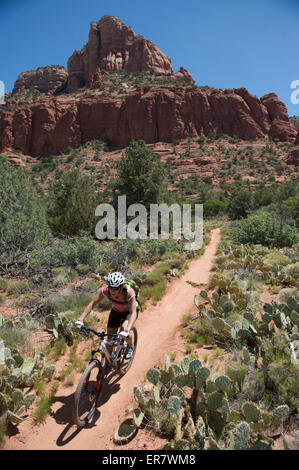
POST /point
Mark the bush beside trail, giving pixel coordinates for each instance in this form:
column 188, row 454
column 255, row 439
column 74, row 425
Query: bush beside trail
column 264, row 229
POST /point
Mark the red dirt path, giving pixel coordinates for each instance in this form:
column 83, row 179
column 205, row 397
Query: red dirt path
column 158, row 327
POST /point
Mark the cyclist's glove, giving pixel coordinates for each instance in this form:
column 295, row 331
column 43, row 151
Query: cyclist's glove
column 79, row 324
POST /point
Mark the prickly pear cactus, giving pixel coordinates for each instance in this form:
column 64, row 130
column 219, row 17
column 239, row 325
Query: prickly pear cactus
column 251, row 412
column 240, row 436
column 13, row 401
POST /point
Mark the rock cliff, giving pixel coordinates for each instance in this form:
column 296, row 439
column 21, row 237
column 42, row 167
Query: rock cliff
column 50, row 79
column 171, row 108
column 151, row 113
column 114, row 46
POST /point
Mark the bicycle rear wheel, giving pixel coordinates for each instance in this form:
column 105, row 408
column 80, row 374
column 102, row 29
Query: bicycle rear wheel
column 125, row 364
column 87, row 393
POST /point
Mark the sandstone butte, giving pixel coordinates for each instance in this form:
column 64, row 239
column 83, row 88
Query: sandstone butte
column 152, row 113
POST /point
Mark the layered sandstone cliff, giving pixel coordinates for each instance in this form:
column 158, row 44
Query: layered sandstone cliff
column 50, row 79
column 114, row 46
column 151, row 113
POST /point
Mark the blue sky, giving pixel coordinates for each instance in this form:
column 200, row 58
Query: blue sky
column 223, row 43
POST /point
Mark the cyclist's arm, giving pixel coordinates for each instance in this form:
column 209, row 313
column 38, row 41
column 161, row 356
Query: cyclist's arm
column 133, row 313
column 93, row 304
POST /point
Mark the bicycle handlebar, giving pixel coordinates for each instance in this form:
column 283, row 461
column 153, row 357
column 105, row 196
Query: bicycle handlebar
column 85, row 330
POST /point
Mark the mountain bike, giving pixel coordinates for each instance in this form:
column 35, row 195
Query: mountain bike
column 91, row 382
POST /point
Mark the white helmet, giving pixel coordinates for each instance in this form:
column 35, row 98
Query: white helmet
column 115, row 279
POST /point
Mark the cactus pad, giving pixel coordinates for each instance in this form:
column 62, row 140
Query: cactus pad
column 240, row 437
column 125, row 433
column 280, row 414
column 153, row 376
column 28, row 366
column 194, row 366
column 223, row 383
column 215, row 400
column 174, row 405
column 251, row 412
column 138, row 417
column 185, row 365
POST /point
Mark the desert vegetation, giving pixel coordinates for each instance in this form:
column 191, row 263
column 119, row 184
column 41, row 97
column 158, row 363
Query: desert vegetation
column 250, row 398
column 51, row 266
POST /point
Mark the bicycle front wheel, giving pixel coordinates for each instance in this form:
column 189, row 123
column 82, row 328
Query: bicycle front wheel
column 126, row 363
column 87, row 393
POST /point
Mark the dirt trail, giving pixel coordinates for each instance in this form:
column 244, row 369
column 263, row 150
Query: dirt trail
column 157, row 327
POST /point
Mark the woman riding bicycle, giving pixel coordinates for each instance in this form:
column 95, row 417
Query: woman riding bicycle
column 124, row 310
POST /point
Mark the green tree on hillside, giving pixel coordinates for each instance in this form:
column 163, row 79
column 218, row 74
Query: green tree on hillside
column 141, row 176
column 72, row 203
column 240, row 203
column 23, row 219
column 291, row 206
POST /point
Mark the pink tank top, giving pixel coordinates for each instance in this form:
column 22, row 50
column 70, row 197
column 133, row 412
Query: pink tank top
column 119, row 307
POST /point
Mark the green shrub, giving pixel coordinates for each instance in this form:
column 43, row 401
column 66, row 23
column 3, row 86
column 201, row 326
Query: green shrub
column 292, row 270
column 73, row 302
column 15, row 337
column 287, row 293
column 69, row 252
column 72, row 203
column 240, row 203
column 204, row 331
column 83, row 268
column 265, row 230
column 23, row 221
column 237, row 372
column 141, row 176
column 291, row 206
column 43, row 407
column 153, row 291
column 213, row 207
column 3, row 284
column 103, row 269
column 280, row 375
column 18, row 287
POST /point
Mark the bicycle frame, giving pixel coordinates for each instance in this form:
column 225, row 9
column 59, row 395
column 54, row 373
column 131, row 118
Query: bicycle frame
column 116, row 339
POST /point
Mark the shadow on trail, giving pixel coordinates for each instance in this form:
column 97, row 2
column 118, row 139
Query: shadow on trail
column 64, row 414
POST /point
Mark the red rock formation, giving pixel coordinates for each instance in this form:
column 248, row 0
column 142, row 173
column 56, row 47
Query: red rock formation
column 151, row 113
column 294, row 155
column 95, row 80
column 183, row 76
column 114, row 46
column 280, row 125
column 44, row 79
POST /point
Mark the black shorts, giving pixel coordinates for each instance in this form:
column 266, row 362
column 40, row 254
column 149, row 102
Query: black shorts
column 116, row 319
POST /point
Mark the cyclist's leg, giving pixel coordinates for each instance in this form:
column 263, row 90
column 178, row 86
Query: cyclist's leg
column 129, row 339
column 114, row 322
